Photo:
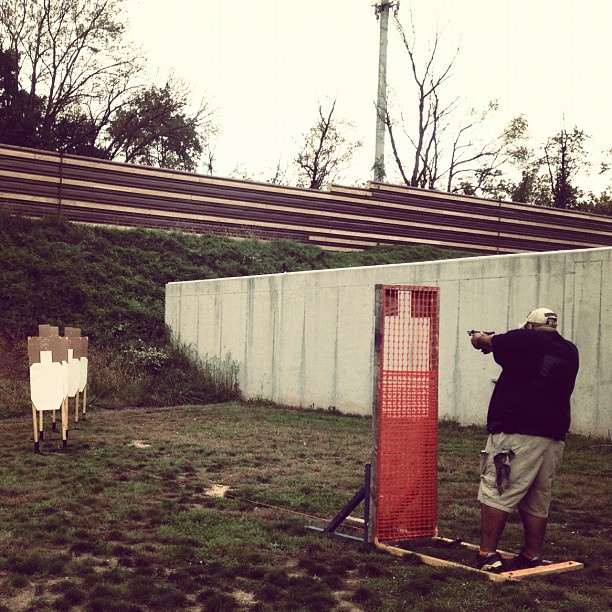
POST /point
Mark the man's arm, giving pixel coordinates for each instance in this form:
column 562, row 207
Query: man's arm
column 482, row 342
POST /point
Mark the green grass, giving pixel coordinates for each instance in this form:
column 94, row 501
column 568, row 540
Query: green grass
column 109, row 525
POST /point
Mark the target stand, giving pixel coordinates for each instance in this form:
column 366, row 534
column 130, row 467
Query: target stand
column 400, row 488
column 47, row 355
column 362, row 495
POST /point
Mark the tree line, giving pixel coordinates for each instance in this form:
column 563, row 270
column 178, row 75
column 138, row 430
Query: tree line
column 71, row 82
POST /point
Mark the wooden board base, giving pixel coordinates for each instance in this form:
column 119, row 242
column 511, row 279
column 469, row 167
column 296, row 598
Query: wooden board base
column 550, row 568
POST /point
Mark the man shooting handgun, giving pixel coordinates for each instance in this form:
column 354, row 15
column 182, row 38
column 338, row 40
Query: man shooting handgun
column 528, row 418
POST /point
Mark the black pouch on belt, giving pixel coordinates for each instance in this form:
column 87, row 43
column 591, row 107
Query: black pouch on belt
column 502, row 469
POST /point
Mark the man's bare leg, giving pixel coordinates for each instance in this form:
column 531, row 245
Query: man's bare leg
column 492, row 523
column 535, row 530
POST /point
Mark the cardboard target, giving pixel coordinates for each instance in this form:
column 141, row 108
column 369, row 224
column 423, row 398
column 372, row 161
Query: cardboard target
column 46, row 371
column 84, row 362
column 73, row 335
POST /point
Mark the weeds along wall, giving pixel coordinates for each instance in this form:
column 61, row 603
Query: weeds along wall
column 307, row 338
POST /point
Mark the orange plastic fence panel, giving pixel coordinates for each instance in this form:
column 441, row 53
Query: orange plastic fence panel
column 407, row 414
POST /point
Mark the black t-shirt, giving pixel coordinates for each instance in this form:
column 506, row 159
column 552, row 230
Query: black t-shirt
column 532, row 394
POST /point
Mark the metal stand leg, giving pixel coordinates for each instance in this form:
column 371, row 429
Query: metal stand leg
column 84, row 403
column 36, row 436
column 362, row 495
column 65, row 424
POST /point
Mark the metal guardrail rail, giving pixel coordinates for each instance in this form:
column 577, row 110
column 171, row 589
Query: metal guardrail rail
column 88, row 190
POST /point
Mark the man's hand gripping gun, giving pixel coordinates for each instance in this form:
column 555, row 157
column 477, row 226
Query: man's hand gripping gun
column 471, row 332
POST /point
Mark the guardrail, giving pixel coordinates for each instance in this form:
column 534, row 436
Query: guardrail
column 89, row 190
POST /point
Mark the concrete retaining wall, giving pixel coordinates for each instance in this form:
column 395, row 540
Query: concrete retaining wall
column 306, row 338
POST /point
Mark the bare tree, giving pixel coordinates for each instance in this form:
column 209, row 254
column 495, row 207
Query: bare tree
column 441, row 149
column 325, row 150
column 273, row 176
column 430, row 112
column 473, row 156
column 280, row 174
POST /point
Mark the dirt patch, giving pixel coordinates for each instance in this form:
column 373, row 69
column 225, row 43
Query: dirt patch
column 140, row 443
column 20, row 601
column 216, row 490
column 244, row 598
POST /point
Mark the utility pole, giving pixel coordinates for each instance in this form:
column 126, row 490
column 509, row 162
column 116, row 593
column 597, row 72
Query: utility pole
column 381, row 10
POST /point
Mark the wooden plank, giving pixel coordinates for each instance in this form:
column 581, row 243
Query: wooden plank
column 564, row 566
column 376, row 356
column 35, row 423
column 503, row 553
column 542, row 570
column 434, row 561
column 64, row 413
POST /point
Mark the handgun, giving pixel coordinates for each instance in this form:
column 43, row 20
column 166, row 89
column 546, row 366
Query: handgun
column 471, row 332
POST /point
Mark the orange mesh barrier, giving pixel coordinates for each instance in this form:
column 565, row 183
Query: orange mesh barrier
column 406, row 417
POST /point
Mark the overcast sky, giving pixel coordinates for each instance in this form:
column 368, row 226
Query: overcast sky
column 266, row 65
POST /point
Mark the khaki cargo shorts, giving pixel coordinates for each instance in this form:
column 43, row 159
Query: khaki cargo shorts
column 518, row 471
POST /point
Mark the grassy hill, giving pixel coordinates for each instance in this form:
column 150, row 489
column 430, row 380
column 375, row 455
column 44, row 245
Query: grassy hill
column 111, row 282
